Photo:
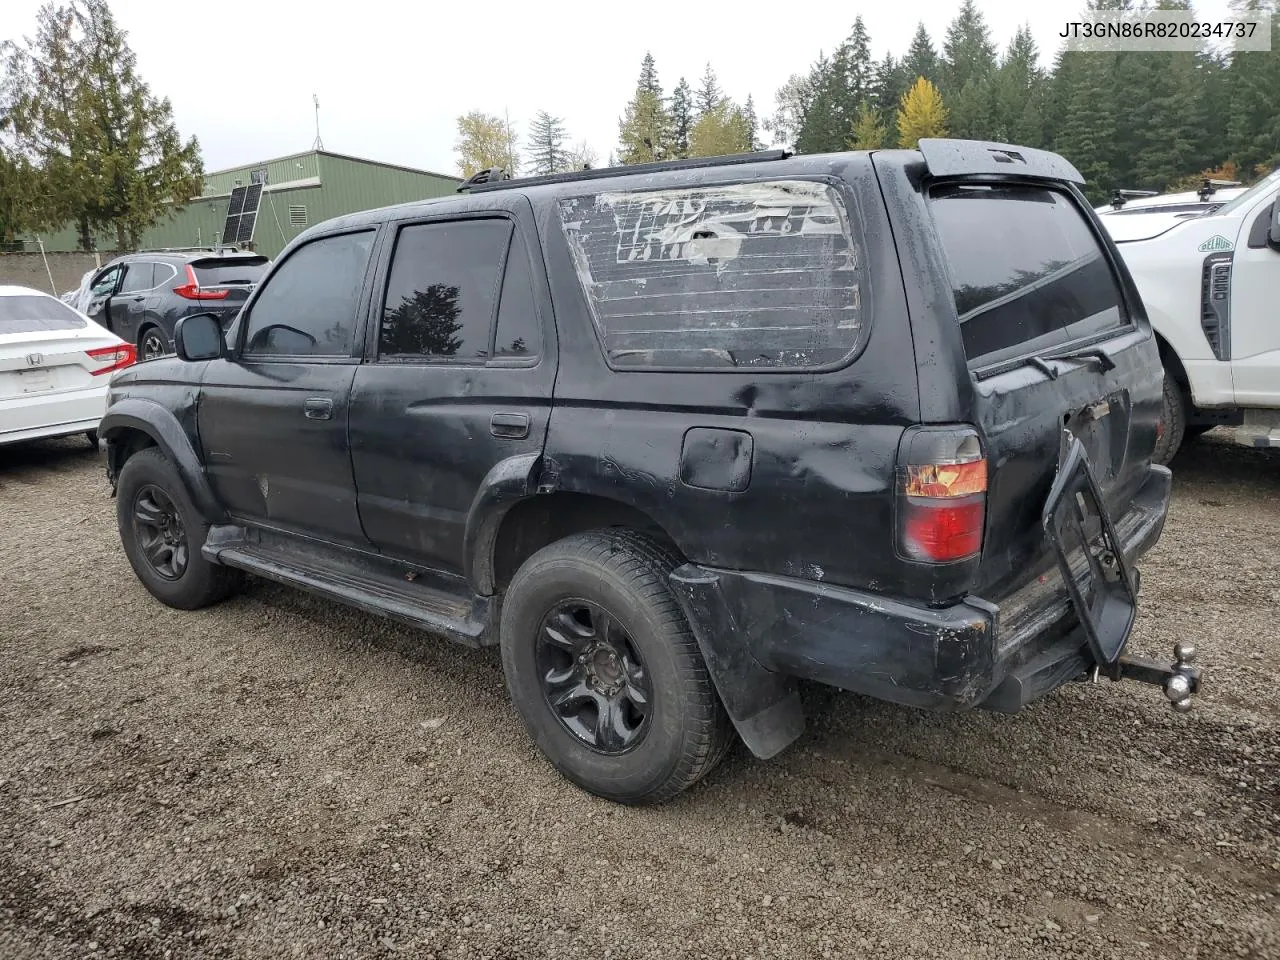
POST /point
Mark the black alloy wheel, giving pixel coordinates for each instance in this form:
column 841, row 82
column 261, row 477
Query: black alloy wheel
column 153, row 345
column 160, row 532
column 593, row 677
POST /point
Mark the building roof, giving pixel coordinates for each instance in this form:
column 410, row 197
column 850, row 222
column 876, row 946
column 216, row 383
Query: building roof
column 246, row 167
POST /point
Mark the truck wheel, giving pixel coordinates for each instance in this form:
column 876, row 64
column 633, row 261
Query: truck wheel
column 162, row 533
column 605, row 672
column 1173, row 418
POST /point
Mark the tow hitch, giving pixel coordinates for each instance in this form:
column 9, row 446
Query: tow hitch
column 1180, row 681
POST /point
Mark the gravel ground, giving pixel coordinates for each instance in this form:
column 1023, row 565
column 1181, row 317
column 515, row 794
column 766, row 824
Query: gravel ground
column 280, row 776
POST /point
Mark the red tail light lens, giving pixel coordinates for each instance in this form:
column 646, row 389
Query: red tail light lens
column 191, row 289
column 942, row 497
column 112, row 358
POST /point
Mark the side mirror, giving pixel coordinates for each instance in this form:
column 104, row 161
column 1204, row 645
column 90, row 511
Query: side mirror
column 199, row 337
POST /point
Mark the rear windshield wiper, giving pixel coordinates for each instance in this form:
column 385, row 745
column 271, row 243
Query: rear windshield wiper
column 1045, row 364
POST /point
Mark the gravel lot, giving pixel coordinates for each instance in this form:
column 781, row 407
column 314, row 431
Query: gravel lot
column 280, row 777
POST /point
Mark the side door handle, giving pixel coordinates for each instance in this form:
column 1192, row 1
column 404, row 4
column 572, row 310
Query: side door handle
column 318, row 408
column 509, row 426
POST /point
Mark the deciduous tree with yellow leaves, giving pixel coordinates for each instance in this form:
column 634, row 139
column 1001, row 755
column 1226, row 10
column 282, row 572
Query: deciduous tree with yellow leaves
column 921, row 114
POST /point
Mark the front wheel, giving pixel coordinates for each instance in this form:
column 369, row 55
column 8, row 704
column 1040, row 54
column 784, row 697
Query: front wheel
column 162, row 533
column 605, row 672
column 1173, row 421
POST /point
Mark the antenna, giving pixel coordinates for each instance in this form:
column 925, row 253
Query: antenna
column 319, row 144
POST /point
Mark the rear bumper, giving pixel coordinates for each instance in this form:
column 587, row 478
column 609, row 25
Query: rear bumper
column 757, row 631
column 39, row 415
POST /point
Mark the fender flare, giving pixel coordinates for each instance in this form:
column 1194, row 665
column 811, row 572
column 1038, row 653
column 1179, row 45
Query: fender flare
column 158, row 423
column 506, row 484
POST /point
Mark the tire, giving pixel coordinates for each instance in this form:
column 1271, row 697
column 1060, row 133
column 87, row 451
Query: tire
column 1173, row 415
column 149, row 484
column 152, row 344
column 682, row 731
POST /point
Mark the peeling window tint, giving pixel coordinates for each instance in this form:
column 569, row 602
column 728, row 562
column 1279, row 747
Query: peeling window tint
column 762, row 274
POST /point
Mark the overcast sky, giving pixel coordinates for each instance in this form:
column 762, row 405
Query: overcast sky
column 393, row 75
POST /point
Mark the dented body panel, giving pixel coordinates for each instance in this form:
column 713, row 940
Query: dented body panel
column 733, row 359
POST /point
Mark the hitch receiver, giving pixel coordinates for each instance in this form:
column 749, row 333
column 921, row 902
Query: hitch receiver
column 1180, row 681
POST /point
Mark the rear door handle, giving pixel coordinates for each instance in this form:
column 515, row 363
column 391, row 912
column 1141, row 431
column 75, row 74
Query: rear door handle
column 318, row 408
column 509, row 426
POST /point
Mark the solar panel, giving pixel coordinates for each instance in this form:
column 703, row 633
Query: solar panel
column 242, row 214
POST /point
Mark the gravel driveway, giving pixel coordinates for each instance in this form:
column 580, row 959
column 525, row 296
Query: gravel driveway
column 282, row 777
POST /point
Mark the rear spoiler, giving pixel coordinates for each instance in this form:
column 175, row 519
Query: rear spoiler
column 959, row 158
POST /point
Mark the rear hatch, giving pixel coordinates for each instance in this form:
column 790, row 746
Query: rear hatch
column 222, row 284
column 1053, row 349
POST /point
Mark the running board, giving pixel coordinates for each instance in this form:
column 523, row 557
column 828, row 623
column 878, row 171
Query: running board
column 366, row 581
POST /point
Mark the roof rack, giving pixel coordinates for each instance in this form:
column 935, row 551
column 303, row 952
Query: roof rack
column 693, row 163
column 1210, row 186
column 225, row 248
column 488, row 175
column 1120, row 197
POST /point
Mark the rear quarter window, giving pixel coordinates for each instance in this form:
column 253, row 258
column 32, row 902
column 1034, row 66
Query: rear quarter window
column 1026, row 270
column 22, row 314
column 764, row 274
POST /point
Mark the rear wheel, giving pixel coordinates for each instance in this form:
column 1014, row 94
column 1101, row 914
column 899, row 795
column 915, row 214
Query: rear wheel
column 162, row 533
column 152, row 344
column 605, row 672
column 1173, row 421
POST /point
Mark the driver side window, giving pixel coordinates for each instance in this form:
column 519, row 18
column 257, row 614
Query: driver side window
column 307, row 306
column 106, row 282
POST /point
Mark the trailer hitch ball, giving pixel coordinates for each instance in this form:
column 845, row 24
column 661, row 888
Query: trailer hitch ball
column 1178, row 689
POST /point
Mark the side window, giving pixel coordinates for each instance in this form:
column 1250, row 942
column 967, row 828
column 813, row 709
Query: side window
column 137, row 277
column 308, row 306
column 442, row 290
column 759, row 274
column 519, row 331
column 164, row 272
column 106, row 282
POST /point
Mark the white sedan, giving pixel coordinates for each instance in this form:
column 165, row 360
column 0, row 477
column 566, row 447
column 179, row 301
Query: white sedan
column 54, row 367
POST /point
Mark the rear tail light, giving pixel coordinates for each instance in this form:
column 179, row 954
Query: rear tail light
column 942, row 494
column 112, row 358
column 191, row 289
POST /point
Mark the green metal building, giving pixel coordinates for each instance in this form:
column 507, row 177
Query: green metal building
column 301, row 190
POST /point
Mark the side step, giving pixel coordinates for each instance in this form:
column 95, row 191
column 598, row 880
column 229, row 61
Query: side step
column 367, row 581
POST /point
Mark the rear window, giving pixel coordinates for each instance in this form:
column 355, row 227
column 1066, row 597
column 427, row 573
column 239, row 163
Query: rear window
column 221, row 272
column 37, row 315
column 764, row 274
column 1026, row 270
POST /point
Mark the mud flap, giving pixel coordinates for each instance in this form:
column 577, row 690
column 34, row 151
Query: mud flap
column 1090, row 558
column 764, row 706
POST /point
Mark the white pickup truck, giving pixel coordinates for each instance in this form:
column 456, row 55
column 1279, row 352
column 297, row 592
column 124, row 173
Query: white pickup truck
column 1211, row 286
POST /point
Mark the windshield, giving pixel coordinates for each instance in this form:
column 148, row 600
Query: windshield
column 1264, row 185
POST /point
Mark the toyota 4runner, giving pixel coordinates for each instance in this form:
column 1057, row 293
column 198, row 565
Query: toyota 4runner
column 680, row 436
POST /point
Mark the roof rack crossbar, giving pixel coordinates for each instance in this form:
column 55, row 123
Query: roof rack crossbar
column 693, row 163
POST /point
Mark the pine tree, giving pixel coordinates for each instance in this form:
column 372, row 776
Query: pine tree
column 968, row 56
column 1253, row 125
column 485, row 141
column 1018, row 101
column 891, row 82
column 921, row 59
column 921, row 114
column 793, row 101
column 844, row 84
column 645, row 132
column 753, row 124
column 721, row 131
column 1085, row 117
column 110, row 153
column 20, row 187
column 868, row 132
column 649, row 76
column 709, row 95
column 547, row 151
column 681, row 118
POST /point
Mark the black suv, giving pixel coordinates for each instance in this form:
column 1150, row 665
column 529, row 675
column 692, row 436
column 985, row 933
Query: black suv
column 680, row 436
column 140, row 297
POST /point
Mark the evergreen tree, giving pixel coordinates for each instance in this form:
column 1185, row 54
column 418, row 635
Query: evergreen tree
column 722, row 130
column 649, row 76
column 921, row 59
column 793, row 100
column 844, row 84
column 681, row 118
column 709, row 95
column 968, row 52
column 868, row 131
column 547, row 151
column 110, row 153
column 753, row 124
column 1085, row 118
column 921, row 114
column 1253, row 124
column 891, row 82
column 1018, row 100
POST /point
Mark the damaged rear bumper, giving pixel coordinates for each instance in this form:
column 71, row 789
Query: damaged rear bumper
column 759, row 633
